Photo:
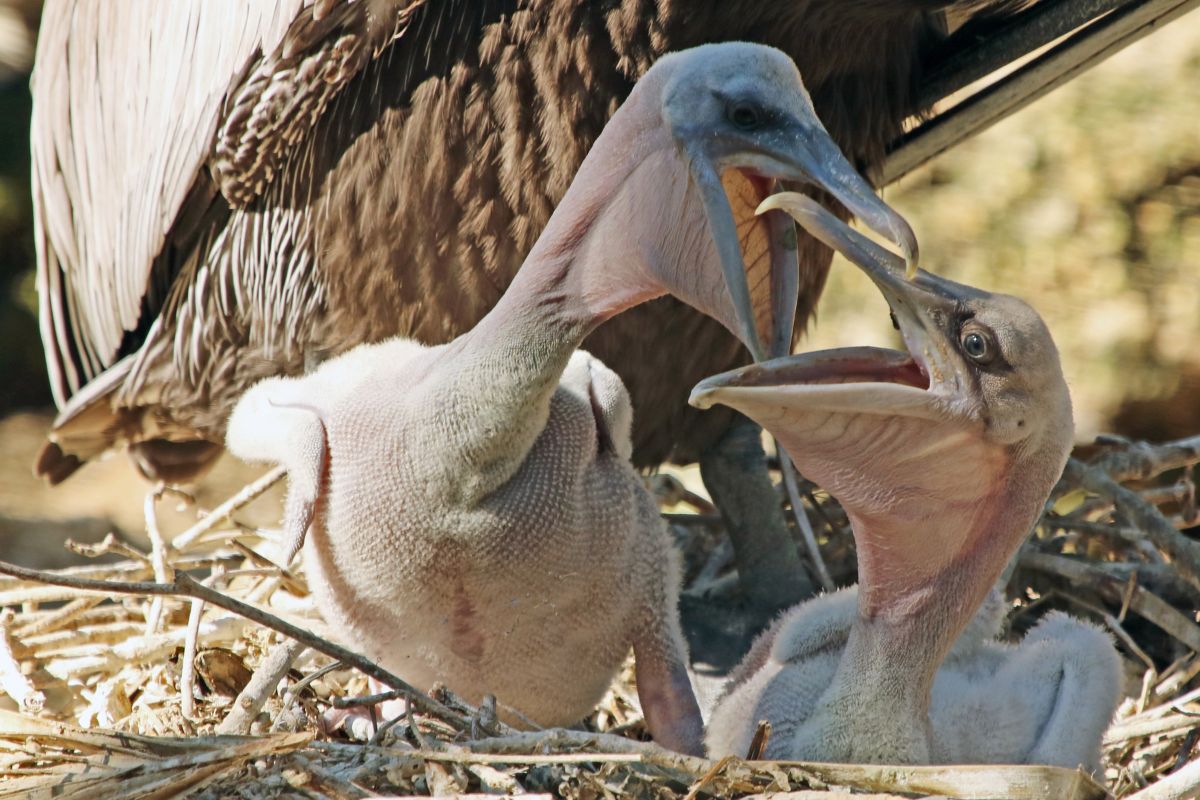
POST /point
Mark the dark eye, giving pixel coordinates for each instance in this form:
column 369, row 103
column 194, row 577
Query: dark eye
column 745, row 116
column 977, row 346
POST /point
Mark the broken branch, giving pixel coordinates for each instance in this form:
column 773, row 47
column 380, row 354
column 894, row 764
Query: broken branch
column 12, row 679
column 1184, row 552
column 185, row 586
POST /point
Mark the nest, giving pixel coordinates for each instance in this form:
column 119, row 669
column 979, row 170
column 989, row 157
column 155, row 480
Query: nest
column 194, row 670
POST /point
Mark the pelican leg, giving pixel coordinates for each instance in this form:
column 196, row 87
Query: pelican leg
column 666, row 694
column 661, row 658
column 771, row 576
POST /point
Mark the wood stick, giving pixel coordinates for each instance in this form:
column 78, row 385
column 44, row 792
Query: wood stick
column 469, row 757
column 287, row 579
column 704, row 780
column 117, row 570
column 1184, row 552
column 970, row 59
column 266, row 678
column 19, row 592
column 12, row 679
column 138, row 649
column 1144, row 603
column 110, row 544
column 539, row 742
column 1180, row 785
column 1137, row 729
column 60, row 617
column 222, row 512
column 158, row 557
column 791, row 485
column 187, row 676
column 185, row 586
column 1066, row 60
column 1139, row 461
column 1174, row 682
column 458, row 796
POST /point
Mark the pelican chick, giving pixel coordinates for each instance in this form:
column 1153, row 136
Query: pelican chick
column 942, row 457
column 468, row 511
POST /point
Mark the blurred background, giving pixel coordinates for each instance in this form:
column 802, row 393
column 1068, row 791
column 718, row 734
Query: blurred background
column 1087, row 204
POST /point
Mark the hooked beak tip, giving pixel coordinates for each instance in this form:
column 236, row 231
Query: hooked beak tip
column 906, row 240
column 703, row 395
column 804, row 209
column 798, row 206
column 772, row 203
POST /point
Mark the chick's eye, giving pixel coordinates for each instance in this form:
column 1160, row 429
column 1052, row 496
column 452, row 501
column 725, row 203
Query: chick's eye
column 977, row 346
column 744, row 116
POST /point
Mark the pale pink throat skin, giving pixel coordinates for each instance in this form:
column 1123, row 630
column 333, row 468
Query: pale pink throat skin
column 470, row 513
column 942, row 460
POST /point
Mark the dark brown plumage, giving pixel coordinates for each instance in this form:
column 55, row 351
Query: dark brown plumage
column 373, row 186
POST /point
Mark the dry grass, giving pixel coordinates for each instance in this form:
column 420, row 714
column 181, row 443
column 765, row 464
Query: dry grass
column 128, row 695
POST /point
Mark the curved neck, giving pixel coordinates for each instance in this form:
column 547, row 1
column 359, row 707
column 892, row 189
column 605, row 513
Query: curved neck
column 905, row 628
column 591, row 261
column 595, row 258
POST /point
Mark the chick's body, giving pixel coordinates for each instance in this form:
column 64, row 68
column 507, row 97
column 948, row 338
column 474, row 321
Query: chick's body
column 446, row 563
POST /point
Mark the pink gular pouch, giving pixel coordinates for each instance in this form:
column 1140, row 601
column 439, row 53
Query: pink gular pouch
column 942, row 457
column 468, row 511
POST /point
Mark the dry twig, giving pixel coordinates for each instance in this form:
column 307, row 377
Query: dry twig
column 158, row 557
column 1181, row 785
column 266, row 678
column 14, row 682
column 222, row 512
column 184, row 586
column 1184, row 552
column 1142, row 602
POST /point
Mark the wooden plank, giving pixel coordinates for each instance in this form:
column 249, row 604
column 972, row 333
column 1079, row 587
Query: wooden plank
column 967, row 782
column 1065, row 61
column 966, row 57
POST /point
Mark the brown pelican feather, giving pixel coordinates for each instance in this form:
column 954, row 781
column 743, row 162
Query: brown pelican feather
column 226, row 191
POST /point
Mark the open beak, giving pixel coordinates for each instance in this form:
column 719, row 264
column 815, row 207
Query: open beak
column 895, row 436
column 847, row 381
column 905, row 440
column 860, row 380
column 858, row 419
column 924, row 305
column 758, row 254
column 908, row 460
column 923, row 396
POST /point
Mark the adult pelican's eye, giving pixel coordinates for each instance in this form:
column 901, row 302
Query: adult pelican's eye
column 977, row 346
column 744, row 116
